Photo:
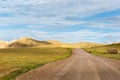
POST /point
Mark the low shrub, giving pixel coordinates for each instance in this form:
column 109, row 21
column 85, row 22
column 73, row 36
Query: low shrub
column 113, row 50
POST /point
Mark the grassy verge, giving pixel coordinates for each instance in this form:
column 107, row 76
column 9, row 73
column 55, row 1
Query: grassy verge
column 102, row 51
column 21, row 60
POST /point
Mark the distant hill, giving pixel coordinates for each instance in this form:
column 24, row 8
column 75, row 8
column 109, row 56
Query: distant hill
column 55, row 42
column 58, row 43
column 86, row 44
column 113, row 45
column 3, row 44
column 27, row 42
column 74, row 45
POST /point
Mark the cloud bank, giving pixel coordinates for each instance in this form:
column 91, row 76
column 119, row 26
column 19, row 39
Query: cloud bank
column 68, row 20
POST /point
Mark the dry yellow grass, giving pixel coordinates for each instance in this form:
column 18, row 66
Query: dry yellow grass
column 25, row 59
column 102, row 51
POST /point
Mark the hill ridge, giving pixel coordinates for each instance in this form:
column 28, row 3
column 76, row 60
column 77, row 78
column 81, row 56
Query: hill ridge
column 30, row 42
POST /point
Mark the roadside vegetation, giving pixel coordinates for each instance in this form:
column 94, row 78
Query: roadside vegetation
column 102, row 51
column 15, row 61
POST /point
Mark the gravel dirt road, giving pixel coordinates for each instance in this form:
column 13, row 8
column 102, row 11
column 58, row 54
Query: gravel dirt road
column 80, row 66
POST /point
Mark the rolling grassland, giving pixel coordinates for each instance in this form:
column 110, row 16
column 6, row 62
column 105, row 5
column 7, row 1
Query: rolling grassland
column 102, row 51
column 15, row 61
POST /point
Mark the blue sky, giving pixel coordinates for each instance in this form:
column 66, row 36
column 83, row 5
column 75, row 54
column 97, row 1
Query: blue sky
column 63, row 20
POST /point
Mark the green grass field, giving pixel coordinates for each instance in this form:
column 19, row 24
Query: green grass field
column 16, row 61
column 102, row 51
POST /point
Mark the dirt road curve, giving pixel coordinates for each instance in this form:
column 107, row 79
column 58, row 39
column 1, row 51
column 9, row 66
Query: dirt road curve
column 80, row 66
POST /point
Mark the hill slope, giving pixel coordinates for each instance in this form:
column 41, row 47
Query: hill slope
column 114, row 45
column 27, row 42
column 74, row 45
column 3, row 44
column 102, row 50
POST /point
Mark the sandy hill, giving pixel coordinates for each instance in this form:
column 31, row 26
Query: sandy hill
column 3, row 44
column 73, row 45
column 27, row 42
column 60, row 44
column 55, row 42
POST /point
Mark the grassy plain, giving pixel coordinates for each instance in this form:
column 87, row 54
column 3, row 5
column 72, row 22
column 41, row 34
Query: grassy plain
column 15, row 61
column 102, row 51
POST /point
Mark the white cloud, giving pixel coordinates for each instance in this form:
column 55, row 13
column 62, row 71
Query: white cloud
column 103, row 25
column 53, row 13
column 50, row 12
column 18, row 33
column 77, row 36
column 83, row 35
column 60, row 7
column 76, row 7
